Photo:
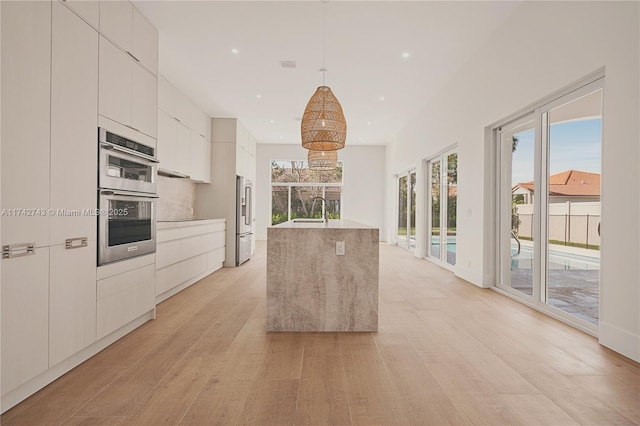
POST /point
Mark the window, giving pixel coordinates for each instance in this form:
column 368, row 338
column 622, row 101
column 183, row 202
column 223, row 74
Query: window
column 297, row 191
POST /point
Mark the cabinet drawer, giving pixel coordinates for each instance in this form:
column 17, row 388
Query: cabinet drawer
column 215, row 258
column 123, row 298
column 194, row 246
column 192, row 267
column 167, row 253
column 167, row 278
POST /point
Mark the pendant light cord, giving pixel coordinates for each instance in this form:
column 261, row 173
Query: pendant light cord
column 324, row 38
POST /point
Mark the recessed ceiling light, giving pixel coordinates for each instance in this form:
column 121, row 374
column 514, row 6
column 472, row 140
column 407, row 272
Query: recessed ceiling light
column 382, row 98
column 405, row 55
column 368, row 122
column 272, row 121
column 259, row 96
column 234, row 51
column 281, row 137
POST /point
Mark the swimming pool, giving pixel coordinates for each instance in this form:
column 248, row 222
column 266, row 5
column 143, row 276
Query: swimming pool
column 557, row 260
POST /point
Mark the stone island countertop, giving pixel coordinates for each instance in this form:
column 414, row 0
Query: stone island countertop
column 311, row 288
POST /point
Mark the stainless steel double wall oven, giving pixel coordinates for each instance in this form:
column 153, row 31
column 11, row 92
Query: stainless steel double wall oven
column 127, row 191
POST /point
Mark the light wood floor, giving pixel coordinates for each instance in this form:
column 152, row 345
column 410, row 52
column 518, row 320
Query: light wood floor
column 447, row 352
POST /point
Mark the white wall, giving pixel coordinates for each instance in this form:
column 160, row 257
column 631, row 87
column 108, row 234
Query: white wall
column 363, row 197
column 542, row 48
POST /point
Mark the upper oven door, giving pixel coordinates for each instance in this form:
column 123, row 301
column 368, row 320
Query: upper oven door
column 126, row 164
column 125, row 171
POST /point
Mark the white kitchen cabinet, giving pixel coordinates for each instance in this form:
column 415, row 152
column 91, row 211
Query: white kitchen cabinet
column 145, row 42
column 72, row 300
column 200, row 122
column 128, row 29
column 127, row 92
column 116, row 22
column 172, row 101
column 187, row 139
column 87, row 10
column 174, row 151
column 200, row 164
column 74, row 75
column 115, row 82
column 167, row 143
column 124, row 297
column 183, row 149
column 26, row 64
column 186, row 252
column 72, row 274
column 25, row 316
column 144, row 101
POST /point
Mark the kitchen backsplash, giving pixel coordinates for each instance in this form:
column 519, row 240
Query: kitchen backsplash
column 177, row 198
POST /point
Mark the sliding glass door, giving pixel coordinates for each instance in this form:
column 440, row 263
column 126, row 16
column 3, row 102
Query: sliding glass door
column 549, row 204
column 406, row 231
column 442, row 173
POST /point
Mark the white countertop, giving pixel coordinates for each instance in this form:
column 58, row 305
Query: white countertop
column 332, row 224
column 166, row 224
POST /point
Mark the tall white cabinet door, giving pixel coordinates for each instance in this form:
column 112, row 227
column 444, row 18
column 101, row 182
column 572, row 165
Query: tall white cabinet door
column 116, row 22
column 145, row 42
column 167, row 141
column 200, row 163
column 72, row 312
column 183, row 149
column 25, row 317
column 26, row 56
column 74, row 143
column 144, row 107
column 115, row 83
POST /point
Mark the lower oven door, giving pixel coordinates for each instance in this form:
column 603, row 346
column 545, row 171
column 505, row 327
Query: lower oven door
column 126, row 225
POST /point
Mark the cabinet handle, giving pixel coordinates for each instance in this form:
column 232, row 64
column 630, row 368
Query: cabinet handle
column 74, row 243
column 18, row 250
column 177, row 119
column 134, row 58
column 132, row 128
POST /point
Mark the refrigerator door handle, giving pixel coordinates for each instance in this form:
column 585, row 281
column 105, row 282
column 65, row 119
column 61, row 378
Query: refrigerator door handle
column 249, row 201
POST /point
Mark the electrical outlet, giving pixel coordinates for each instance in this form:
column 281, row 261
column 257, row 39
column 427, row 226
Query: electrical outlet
column 339, row 248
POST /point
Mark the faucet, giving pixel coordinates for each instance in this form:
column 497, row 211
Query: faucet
column 326, row 220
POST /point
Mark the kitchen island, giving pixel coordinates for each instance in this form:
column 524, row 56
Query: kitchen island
column 312, row 288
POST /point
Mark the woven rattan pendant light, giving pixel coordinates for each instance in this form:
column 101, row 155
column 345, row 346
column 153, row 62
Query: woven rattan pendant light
column 323, row 126
column 322, row 161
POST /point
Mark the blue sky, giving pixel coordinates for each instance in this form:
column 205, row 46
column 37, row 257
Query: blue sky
column 573, row 145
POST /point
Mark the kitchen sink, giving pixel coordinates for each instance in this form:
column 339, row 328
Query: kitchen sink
column 308, row 220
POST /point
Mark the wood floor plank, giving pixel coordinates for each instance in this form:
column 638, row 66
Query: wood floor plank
column 446, row 352
column 220, row 402
column 322, row 402
column 270, row 402
column 372, row 396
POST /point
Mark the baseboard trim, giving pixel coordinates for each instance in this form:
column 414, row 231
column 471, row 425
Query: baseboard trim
column 469, row 275
column 620, row 341
column 19, row 394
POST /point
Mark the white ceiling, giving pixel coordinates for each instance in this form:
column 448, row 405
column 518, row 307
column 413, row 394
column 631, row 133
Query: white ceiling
column 365, row 41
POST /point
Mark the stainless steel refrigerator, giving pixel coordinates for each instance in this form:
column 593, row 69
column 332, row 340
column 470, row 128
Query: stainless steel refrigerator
column 244, row 219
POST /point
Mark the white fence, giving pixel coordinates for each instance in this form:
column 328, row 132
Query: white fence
column 569, row 222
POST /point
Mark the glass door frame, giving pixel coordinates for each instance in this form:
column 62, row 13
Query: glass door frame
column 442, row 158
column 540, row 114
column 405, row 241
